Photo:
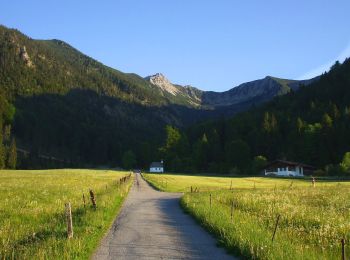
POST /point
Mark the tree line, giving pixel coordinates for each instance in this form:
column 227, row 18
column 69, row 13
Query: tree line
column 71, row 107
column 8, row 150
column 311, row 126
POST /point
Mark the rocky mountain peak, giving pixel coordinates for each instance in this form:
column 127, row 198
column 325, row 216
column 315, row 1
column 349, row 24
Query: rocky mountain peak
column 163, row 83
column 158, row 79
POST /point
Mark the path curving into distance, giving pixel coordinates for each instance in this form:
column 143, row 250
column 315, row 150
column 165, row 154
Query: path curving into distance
column 151, row 225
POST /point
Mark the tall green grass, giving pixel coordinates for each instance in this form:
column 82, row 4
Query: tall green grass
column 183, row 183
column 32, row 220
column 312, row 222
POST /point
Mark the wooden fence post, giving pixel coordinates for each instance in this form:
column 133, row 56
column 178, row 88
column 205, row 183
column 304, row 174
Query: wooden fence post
column 231, row 211
column 69, row 220
column 342, row 248
column 276, row 225
column 210, row 200
column 84, row 200
column 92, row 197
column 191, row 189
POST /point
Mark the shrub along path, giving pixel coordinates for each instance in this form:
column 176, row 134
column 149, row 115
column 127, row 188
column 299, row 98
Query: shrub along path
column 151, row 225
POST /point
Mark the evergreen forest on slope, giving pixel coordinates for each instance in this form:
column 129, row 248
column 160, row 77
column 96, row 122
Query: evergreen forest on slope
column 61, row 108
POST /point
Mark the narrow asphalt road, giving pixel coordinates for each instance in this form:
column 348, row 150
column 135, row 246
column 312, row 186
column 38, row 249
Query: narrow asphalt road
column 151, row 225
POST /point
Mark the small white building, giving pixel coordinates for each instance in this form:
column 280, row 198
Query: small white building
column 286, row 168
column 156, row 167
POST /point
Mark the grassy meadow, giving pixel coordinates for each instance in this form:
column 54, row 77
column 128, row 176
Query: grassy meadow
column 32, row 217
column 312, row 219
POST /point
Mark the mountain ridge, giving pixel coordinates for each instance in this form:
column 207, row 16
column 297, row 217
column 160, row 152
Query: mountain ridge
column 310, row 125
column 68, row 104
column 261, row 89
column 46, row 61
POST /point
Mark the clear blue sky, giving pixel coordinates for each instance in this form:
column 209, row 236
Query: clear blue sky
column 213, row 45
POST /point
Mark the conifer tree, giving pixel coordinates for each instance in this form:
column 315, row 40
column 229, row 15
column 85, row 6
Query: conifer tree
column 12, row 155
column 327, row 121
column 2, row 148
column 129, row 160
column 300, row 124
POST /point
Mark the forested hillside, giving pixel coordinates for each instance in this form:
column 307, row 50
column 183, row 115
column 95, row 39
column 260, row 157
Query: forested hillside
column 8, row 152
column 52, row 66
column 57, row 103
column 310, row 126
column 61, row 103
column 70, row 110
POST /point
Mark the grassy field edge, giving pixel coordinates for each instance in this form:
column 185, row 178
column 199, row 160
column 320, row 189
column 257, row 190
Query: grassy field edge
column 213, row 230
column 32, row 217
column 187, row 210
column 313, row 218
column 115, row 215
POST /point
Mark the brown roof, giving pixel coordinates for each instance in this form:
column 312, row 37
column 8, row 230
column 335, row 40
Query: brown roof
column 156, row 165
column 288, row 163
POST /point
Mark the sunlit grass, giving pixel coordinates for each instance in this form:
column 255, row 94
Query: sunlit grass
column 32, row 220
column 183, row 183
column 313, row 219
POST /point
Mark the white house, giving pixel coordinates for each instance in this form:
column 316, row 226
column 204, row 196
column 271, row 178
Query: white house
column 286, row 168
column 156, row 167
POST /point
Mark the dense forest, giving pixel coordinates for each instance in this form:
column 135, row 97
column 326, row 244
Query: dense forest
column 311, row 125
column 61, row 108
column 68, row 109
column 8, row 151
column 31, row 67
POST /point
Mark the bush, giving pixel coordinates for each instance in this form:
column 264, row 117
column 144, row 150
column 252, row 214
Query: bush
column 334, row 170
column 320, row 172
column 345, row 164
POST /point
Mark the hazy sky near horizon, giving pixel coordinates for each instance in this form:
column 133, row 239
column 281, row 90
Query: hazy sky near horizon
column 213, row 45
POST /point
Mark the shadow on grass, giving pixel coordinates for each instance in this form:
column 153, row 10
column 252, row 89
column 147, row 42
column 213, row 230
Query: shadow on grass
column 151, row 184
column 56, row 232
column 232, row 250
column 174, row 211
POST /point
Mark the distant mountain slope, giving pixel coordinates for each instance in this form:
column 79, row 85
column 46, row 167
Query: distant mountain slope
column 254, row 92
column 311, row 125
column 52, row 66
column 71, row 106
column 185, row 95
column 258, row 90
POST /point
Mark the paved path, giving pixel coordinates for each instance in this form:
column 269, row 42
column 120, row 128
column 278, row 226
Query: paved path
column 151, row 225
